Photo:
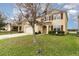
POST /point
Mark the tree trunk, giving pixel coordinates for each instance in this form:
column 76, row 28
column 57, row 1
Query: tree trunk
column 34, row 36
column 78, row 24
column 78, row 27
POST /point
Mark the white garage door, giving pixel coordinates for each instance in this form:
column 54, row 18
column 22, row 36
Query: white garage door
column 28, row 30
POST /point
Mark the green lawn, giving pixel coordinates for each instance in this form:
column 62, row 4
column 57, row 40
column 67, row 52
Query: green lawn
column 5, row 32
column 51, row 46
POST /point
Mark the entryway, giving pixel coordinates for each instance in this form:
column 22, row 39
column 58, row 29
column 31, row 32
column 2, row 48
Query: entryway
column 44, row 29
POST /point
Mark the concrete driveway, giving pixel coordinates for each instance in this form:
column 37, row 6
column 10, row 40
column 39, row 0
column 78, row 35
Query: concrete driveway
column 11, row 35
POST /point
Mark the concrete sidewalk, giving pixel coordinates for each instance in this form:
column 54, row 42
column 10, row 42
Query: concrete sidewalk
column 11, row 35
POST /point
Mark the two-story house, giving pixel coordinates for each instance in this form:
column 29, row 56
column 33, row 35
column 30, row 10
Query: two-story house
column 53, row 21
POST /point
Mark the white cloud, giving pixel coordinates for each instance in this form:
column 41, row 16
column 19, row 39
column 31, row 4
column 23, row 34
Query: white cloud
column 12, row 18
column 15, row 11
column 73, row 12
column 69, row 6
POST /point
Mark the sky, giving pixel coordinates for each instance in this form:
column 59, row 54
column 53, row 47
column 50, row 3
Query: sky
column 7, row 8
column 72, row 9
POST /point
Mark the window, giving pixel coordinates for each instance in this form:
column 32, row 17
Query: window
column 42, row 19
column 52, row 27
column 52, row 17
column 57, row 28
column 61, row 27
column 45, row 18
column 56, row 16
column 49, row 17
column 61, row 15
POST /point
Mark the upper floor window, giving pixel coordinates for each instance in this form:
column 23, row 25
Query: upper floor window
column 50, row 18
column 61, row 15
column 57, row 16
column 42, row 19
column 45, row 18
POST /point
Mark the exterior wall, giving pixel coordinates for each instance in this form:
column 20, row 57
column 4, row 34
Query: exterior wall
column 61, row 22
column 38, row 28
column 53, row 22
column 8, row 27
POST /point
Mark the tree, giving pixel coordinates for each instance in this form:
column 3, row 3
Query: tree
column 2, row 18
column 18, row 20
column 31, row 11
column 78, row 27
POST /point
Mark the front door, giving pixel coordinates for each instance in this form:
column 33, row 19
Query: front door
column 15, row 28
column 44, row 29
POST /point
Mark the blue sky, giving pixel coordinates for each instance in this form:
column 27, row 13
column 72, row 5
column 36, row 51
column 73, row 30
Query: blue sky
column 8, row 9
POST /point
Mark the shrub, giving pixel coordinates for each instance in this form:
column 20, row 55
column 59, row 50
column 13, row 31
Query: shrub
column 38, row 32
column 58, row 33
column 52, row 32
column 61, row 33
column 78, row 33
column 2, row 29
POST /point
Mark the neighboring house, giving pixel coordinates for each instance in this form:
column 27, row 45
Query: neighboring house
column 55, row 20
column 7, row 27
column 74, row 31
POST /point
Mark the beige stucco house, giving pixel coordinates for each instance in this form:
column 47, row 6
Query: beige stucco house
column 55, row 20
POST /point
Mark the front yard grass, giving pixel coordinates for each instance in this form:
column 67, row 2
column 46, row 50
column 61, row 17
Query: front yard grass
column 51, row 45
column 6, row 32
